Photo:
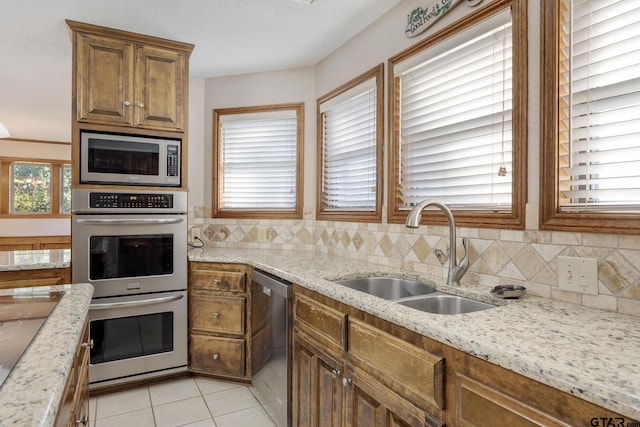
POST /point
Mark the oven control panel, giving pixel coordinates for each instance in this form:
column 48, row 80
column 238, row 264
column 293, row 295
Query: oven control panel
column 130, row 200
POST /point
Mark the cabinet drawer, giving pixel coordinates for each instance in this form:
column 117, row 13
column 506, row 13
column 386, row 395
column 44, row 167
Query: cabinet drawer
column 218, row 314
column 324, row 323
column 232, row 281
column 480, row 405
column 221, row 356
column 413, row 373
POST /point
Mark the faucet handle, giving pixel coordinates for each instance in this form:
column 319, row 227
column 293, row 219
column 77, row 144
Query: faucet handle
column 464, row 262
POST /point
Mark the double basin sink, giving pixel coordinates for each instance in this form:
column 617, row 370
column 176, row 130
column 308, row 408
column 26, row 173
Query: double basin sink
column 418, row 295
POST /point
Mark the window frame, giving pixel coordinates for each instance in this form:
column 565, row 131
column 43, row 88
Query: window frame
column 515, row 218
column 322, row 213
column 217, row 211
column 6, row 186
column 551, row 217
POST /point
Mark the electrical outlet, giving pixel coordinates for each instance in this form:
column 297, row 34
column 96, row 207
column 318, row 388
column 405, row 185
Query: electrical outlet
column 195, row 234
column 578, row 274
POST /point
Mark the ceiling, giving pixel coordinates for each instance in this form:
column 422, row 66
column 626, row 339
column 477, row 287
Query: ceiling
column 231, row 36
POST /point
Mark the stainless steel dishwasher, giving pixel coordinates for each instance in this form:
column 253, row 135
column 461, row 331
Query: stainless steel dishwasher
column 273, row 379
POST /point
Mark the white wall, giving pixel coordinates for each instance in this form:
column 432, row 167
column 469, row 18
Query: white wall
column 374, row 45
column 261, row 89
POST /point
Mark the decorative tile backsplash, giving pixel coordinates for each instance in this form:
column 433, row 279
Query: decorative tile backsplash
column 496, row 257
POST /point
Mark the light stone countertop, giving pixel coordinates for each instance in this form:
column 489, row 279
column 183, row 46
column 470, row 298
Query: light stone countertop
column 35, row 259
column 31, row 394
column 592, row 354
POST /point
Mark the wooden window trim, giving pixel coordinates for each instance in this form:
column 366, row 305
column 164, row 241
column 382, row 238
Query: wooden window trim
column 551, row 218
column 217, row 211
column 353, row 216
column 467, row 218
column 56, row 187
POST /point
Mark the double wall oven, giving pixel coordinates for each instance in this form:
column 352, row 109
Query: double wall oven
column 132, row 247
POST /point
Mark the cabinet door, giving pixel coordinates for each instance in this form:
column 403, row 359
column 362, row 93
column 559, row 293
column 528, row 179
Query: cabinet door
column 104, row 80
column 317, row 392
column 160, row 88
column 368, row 403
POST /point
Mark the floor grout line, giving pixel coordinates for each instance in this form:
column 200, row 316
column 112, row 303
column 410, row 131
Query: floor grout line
column 152, row 407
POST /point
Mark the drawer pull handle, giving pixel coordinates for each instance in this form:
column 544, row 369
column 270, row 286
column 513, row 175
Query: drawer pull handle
column 335, row 373
column 216, row 314
column 346, row 381
column 216, row 356
column 141, row 104
column 216, row 281
column 87, row 344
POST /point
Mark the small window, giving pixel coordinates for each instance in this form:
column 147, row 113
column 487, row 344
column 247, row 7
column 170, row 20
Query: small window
column 258, row 158
column 591, row 116
column 458, row 106
column 350, row 123
column 30, row 188
column 65, row 195
column 35, row 188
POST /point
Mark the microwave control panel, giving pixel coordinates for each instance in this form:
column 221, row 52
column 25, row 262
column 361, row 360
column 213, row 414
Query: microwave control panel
column 130, row 200
column 173, row 169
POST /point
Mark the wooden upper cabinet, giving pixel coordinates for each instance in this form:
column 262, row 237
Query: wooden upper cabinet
column 104, row 80
column 160, row 92
column 129, row 80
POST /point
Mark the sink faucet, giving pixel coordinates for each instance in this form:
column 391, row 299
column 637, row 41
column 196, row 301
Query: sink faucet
column 456, row 270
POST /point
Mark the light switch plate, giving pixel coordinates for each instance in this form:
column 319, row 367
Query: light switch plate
column 578, row 274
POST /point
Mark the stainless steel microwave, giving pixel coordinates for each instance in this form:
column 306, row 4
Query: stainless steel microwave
column 129, row 160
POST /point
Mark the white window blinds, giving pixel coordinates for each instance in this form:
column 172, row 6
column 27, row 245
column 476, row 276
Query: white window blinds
column 258, row 158
column 349, row 150
column 600, row 106
column 455, row 120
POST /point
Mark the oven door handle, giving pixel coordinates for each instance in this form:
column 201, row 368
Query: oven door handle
column 130, row 221
column 150, row 301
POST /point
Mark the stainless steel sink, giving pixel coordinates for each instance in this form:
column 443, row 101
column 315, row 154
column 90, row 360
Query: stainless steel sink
column 445, row 304
column 389, row 288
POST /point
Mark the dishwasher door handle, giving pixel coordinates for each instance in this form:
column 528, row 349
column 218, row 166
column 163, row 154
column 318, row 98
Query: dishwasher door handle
column 273, row 284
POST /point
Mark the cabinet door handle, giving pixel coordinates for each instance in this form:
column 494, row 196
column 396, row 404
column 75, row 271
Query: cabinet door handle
column 216, row 356
column 127, row 103
column 335, row 373
column 141, row 104
column 346, row 381
column 216, row 281
column 216, row 314
column 83, row 421
column 87, row 344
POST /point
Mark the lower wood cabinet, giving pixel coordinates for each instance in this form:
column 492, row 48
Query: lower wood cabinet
column 348, row 371
column 351, row 368
column 74, row 408
column 229, row 331
column 486, row 395
column 29, row 278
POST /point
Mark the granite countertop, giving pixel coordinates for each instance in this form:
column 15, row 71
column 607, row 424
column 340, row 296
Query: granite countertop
column 35, row 259
column 589, row 353
column 31, row 394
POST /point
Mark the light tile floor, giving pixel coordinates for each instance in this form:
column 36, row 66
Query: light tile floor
column 193, row 402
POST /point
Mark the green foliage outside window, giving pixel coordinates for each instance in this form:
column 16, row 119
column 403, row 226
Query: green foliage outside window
column 65, row 203
column 31, row 188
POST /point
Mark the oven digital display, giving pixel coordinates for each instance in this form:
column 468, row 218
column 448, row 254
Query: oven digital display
column 113, row 257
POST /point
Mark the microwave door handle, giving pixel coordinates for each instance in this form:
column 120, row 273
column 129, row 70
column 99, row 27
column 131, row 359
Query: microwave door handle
column 135, row 221
column 150, row 301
